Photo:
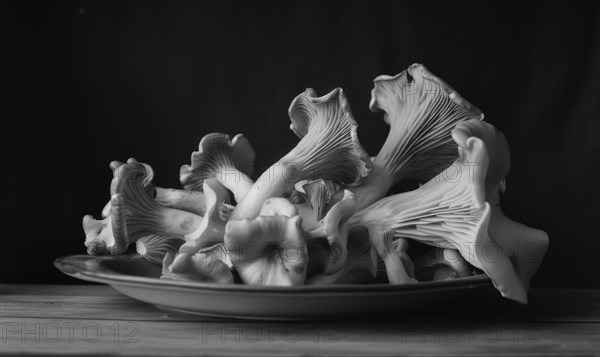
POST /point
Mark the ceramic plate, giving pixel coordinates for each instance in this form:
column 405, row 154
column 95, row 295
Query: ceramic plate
column 139, row 279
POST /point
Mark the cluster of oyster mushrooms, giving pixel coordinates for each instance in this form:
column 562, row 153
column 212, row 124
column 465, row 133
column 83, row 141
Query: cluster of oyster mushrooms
column 322, row 214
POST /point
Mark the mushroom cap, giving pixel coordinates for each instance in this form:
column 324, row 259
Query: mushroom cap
column 217, row 152
column 496, row 145
column 421, row 110
column 122, row 172
column 419, row 82
column 131, row 194
column 268, row 250
column 525, row 246
column 329, row 147
column 110, row 235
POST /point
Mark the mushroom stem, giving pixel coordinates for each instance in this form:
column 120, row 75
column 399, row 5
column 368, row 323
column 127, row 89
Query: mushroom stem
column 377, row 184
column 235, row 181
column 190, row 201
column 383, row 243
column 212, row 228
column 147, row 216
column 272, row 183
column 178, row 223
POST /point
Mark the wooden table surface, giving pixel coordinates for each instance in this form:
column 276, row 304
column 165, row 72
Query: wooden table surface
column 95, row 319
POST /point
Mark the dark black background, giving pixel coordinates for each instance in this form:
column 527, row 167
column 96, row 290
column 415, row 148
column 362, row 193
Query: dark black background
column 87, row 82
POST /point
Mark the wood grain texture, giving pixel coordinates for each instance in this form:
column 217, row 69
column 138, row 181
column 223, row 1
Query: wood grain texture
column 95, row 319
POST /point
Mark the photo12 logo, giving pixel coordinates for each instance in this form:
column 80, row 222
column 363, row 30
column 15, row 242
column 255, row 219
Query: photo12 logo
column 258, row 332
column 70, row 331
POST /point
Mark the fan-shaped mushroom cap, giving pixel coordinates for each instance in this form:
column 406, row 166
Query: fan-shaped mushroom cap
column 134, row 212
column 525, row 246
column 496, row 145
column 231, row 162
column 421, row 110
column 268, row 250
column 328, row 149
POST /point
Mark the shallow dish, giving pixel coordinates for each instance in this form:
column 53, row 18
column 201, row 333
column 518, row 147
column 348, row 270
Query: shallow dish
column 139, row 279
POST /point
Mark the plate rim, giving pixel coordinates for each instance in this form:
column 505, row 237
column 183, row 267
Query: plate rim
column 74, row 265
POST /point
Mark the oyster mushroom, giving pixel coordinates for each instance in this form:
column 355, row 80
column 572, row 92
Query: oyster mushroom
column 268, row 250
column 328, row 149
column 449, row 211
column 230, row 162
column 185, row 200
column 421, row 110
column 525, row 246
column 134, row 213
column 190, row 201
column 97, row 231
column 107, row 236
column 99, row 234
